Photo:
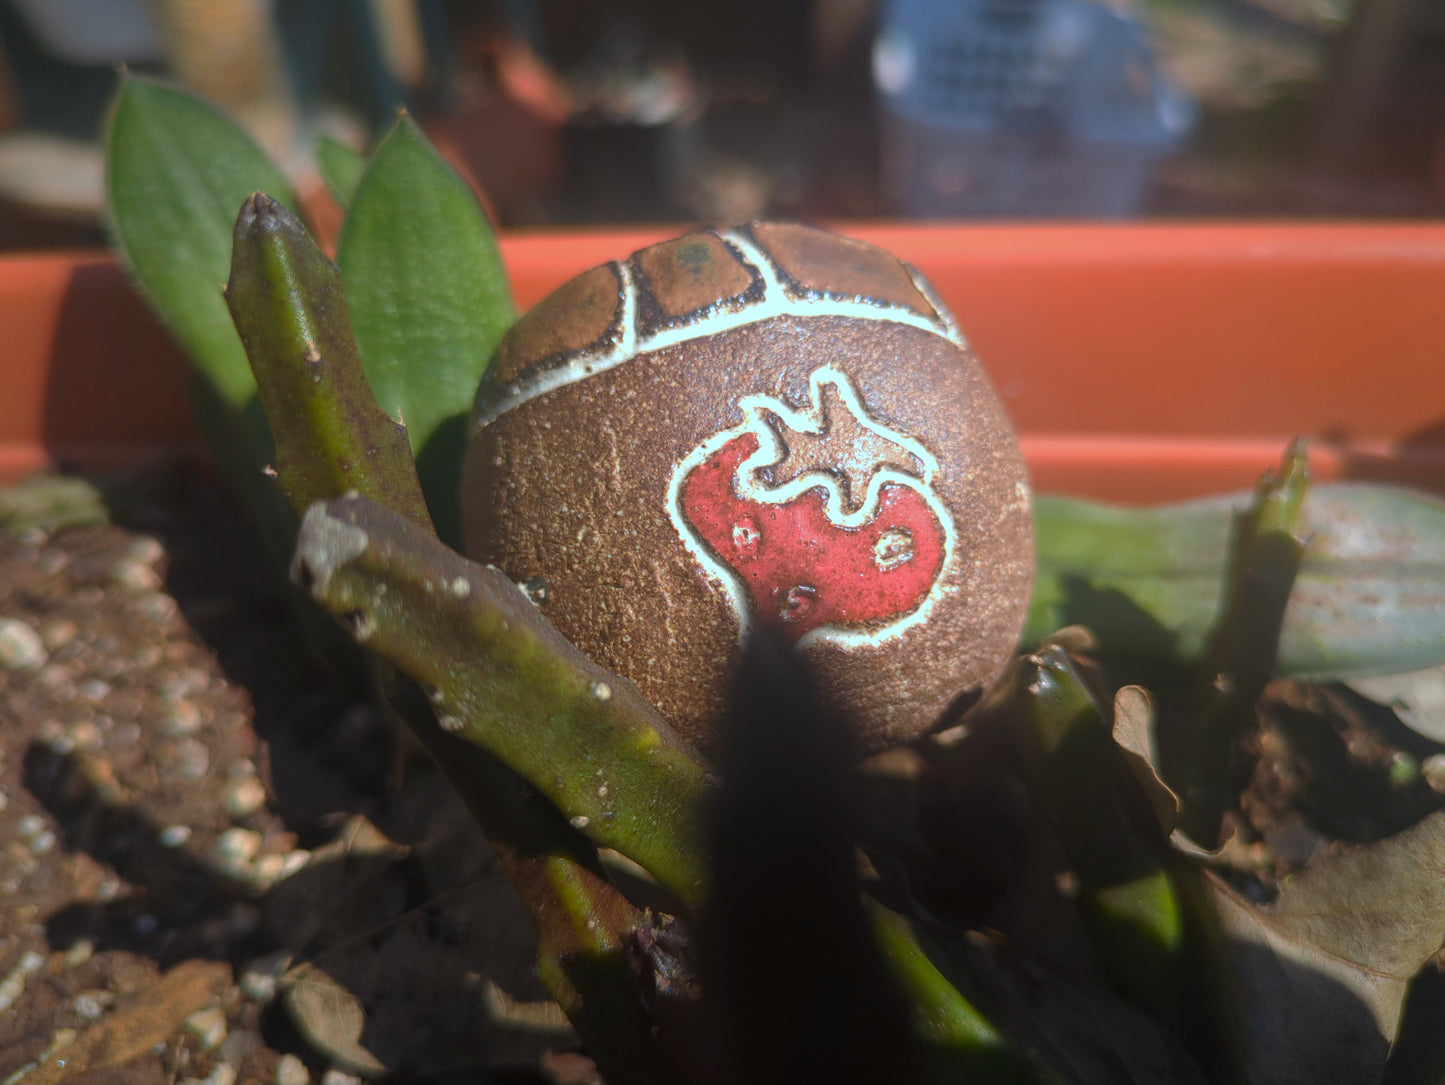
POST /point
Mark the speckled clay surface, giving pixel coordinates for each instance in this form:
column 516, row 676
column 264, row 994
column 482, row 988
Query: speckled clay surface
column 764, row 426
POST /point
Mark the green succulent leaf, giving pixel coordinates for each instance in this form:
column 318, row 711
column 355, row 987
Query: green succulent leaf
column 429, row 300
column 959, row 1043
column 1149, row 582
column 290, row 309
column 1105, row 822
column 501, row 677
column 176, row 172
column 341, row 169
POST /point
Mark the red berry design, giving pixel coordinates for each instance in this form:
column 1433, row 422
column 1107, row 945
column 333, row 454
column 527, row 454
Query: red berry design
column 801, row 570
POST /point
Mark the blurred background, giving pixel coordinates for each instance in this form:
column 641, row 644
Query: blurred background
column 569, row 112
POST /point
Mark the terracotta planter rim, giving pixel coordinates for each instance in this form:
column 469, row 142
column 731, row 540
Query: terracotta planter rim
column 1140, row 361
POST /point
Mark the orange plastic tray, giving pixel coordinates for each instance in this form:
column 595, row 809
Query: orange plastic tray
column 1139, row 363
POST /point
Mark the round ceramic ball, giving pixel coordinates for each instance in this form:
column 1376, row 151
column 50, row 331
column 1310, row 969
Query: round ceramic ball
column 763, row 427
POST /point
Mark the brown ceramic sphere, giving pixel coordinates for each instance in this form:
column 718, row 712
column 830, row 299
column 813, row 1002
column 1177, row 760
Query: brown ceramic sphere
column 768, row 426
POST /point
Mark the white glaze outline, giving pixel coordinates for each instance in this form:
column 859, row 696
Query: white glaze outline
column 811, row 419
column 775, row 301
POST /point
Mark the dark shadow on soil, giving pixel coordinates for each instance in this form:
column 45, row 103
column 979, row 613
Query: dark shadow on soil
column 322, row 757
column 364, row 916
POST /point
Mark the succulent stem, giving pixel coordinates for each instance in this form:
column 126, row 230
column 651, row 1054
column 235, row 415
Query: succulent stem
column 500, row 676
column 331, row 438
column 1265, row 558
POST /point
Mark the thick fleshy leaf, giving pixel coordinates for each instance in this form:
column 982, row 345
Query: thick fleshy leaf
column 290, row 309
column 503, row 678
column 429, row 300
column 341, row 169
column 1149, row 582
column 176, row 172
column 332, row 438
column 1265, row 553
column 958, row 1042
column 1108, row 827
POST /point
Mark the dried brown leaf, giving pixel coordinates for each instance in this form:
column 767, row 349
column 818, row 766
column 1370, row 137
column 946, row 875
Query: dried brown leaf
column 133, row 1031
column 1134, row 731
column 1316, row 981
column 330, row 1017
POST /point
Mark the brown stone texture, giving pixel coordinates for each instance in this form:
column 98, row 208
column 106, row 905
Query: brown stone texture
column 572, row 487
column 815, row 264
column 687, row 277
column 582, row 315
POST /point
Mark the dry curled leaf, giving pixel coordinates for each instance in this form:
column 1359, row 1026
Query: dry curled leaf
column 1134, row 723
column 1316, row 981
column 133, row 1031
column 331, row 1018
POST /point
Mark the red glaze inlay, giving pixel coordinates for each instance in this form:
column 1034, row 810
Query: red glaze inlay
column 803, row 571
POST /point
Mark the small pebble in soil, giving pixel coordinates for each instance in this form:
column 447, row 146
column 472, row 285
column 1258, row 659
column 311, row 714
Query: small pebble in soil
column 22, row 864
column 53, row 734
column 85, row 735
column 146, row 658
column 21, row 648
column 292, row 1071
column 182, row 685
column 237, row 847
column 336, row 1076
column 1433, row 769
column 260, row 979
column 54, row 675
column 189, row 761
column 146, row 550
column 208, row 1026
column 79, row 953
column 183, row 719
column 57, row 633
column 157, row 607
column 94, row 689
column 91, row 1005
column 173, row 836
column 13, row 985
column 134, row 576
column 266, row 871
column 244, row 796
column 223, row 1073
